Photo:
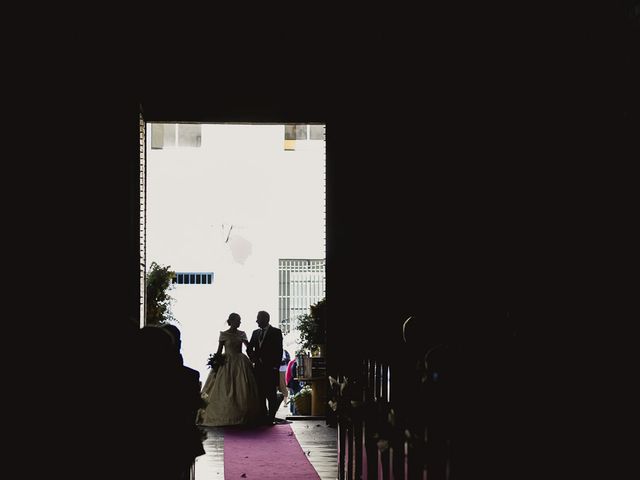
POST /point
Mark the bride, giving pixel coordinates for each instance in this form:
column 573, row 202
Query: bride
column 231, row 393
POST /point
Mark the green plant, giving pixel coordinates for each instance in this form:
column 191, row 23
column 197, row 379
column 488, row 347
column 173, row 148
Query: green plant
column 312, row 326
column 159, row 282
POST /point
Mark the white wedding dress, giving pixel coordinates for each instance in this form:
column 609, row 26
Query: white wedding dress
column 231, row 393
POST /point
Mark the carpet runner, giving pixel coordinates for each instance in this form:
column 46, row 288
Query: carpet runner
column 264, row 453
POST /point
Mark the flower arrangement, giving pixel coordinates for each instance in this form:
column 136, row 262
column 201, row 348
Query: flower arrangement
column 304, row 391
column 215, row 361
column 346, row 397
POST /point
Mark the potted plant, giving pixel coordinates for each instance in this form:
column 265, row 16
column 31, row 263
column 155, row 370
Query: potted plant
column 302, row 400
column 312, row 328
column 158, row 283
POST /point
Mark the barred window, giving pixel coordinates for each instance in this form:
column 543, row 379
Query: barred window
column 193, row 278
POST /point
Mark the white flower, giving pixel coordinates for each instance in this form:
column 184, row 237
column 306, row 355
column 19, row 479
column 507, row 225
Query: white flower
column 383, row 445
column 391, row 417
column 343, row 385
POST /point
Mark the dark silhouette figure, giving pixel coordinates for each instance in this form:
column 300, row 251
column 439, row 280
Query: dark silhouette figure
column 429, row 345
column 188, row 401
column 167, row 395
column 265, row 351
column 466, row 403
column 155, row 413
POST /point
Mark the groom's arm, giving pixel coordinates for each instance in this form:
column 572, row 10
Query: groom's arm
column 251, row 348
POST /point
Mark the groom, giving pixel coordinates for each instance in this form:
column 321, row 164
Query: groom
column 265, row 351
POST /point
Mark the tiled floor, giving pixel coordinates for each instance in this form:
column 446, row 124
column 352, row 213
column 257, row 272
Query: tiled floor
column 318, row 441
column 211, row 465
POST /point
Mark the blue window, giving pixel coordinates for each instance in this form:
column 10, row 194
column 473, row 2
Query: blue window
column 193, row 278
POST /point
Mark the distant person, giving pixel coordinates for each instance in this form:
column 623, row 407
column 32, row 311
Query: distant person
column 265, row 351
column 293, row 384
column 232, row 392
column 284, row 363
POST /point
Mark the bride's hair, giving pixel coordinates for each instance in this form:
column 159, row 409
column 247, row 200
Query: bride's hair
column 233, row 316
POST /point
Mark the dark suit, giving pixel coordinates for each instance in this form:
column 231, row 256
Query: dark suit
column 266, row 363
column 187, row 401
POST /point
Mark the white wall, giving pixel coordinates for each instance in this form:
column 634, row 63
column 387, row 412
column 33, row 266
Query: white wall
column 240, row 176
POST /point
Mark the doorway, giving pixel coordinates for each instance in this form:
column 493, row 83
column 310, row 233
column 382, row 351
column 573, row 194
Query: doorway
column 229, row 208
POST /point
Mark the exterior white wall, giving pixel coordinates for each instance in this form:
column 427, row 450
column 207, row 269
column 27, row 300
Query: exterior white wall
column 241, row 176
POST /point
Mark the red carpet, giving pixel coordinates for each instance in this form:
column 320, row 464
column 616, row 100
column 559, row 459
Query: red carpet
column 265, row 452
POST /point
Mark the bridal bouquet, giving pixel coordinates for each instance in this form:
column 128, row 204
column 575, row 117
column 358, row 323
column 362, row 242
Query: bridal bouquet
column 215, row 361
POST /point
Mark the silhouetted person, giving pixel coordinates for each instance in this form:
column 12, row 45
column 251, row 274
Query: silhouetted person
column 232, row 391
column 292, row 383
column 187, row 402
column 265, row 351
column 284, row 363
column 156, row 415
column 429, row 348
